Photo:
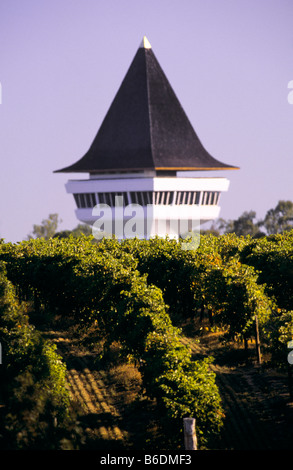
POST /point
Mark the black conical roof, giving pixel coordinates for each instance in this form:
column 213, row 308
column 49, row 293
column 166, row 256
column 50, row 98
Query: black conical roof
column 146, row 127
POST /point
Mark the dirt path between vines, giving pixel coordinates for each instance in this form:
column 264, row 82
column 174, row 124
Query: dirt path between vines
column 107, row 413
column 258, row 415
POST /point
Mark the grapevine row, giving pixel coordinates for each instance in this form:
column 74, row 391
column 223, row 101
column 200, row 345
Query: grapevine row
column 139, row 293
column 84, row 280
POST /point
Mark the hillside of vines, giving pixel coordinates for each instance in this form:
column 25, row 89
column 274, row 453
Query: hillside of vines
column 137, row 313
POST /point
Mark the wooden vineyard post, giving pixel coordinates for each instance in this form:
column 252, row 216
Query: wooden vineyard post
column 257, row 341
column 190, row 439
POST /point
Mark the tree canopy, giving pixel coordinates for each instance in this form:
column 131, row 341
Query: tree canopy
column 48, row 229
column 277, row 220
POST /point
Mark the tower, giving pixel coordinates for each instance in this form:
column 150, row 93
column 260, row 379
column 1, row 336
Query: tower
column 143, row 162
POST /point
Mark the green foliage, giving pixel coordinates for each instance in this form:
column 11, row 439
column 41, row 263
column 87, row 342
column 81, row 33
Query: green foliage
column 32, row 375
column 184, row 393
column 139, row 292
column 78, row 231
column 279, row 219
column 47, row 228
column 243, row 226
column 168, row 267
column 101, row 284
column 272, row 257
column 278, row 331
column 232, row 278
column 211, row 277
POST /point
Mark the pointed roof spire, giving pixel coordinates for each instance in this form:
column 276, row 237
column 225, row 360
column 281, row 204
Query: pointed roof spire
column 145, row 127
column 145, row 43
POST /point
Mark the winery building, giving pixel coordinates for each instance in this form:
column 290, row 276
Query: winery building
column 142, row 167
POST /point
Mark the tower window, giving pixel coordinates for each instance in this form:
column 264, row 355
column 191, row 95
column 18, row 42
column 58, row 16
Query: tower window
column 82, row 201
column 110, row 198
column 85, row 200
column 195, row 197
column 210, row 198
column 89, row 200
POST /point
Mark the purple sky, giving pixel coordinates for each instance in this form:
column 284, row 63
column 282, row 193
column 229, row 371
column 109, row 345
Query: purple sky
column 62, row 61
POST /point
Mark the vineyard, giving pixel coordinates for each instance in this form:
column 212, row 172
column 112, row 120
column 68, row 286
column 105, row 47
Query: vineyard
column 109, row 345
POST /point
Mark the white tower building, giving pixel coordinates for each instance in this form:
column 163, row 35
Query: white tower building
column 144, row 161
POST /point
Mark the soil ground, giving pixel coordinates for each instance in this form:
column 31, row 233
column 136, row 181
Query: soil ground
column 256, row 401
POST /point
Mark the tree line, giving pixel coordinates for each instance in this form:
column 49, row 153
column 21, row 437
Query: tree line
column 277, row 220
